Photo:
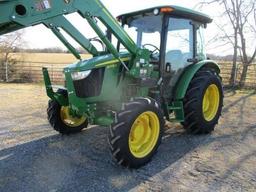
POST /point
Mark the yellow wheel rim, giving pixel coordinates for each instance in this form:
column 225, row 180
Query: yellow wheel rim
column 68, row 119
column 211, row 102
column 144, row 134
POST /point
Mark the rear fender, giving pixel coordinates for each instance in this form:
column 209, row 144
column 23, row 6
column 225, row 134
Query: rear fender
column 185, row 79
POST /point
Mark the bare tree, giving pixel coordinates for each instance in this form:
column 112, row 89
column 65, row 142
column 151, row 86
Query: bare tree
column 244, row 12
column 240, row 15
column 9, row 44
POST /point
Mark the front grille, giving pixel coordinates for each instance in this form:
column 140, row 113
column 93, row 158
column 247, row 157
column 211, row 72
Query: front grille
column 90, row 86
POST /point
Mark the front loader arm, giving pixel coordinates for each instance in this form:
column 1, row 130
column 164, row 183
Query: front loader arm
column 18, row 14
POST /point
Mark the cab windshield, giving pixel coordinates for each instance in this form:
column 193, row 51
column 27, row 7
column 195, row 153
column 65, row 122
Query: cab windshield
column 146, row 32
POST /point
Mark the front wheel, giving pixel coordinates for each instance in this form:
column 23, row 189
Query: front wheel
column 203, row 102
column 62, row 121
column 137, row 133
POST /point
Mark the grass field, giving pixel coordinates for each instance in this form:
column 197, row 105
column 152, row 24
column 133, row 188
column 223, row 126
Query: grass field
column 48, row 57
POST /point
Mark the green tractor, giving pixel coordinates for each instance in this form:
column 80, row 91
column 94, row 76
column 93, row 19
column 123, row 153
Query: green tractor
column 153, row 68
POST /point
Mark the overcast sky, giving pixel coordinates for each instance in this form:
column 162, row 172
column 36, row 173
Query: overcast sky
column 41, row 37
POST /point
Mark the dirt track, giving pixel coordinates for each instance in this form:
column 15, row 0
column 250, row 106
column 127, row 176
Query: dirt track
column 33, row 157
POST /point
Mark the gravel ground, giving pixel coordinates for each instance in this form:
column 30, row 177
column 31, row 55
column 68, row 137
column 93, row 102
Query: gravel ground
column 33, row 157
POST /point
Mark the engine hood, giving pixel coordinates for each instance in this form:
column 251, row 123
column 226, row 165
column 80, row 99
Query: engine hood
column 97, row 62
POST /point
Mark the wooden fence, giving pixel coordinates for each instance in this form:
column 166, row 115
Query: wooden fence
column 226, row 68
column 32, row 71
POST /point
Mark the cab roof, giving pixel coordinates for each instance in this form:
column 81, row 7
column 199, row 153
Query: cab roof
column 171, row 10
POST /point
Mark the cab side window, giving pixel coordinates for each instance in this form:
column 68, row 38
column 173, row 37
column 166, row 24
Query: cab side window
column 179, row 47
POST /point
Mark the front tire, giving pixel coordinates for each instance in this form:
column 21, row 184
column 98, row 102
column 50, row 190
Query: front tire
column 136, row 135
column 62, row 121
column 203, row 102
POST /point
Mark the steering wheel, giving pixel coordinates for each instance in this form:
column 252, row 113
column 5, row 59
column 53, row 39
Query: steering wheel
column 152, row 51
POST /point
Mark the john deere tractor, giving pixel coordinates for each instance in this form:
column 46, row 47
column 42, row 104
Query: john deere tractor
column 153, row 68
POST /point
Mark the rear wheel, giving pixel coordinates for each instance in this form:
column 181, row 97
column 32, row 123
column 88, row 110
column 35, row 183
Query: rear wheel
column 203, row 102
column 136, row 135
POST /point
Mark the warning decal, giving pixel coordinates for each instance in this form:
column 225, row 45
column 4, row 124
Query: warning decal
column 42, row 5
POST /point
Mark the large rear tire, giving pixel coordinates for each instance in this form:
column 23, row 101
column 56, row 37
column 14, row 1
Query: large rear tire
column 203, row 102
column 135, row 136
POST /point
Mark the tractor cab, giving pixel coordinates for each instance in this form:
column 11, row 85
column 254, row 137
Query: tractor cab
column 174, row 35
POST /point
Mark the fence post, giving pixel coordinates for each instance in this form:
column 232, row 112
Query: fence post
column 6, row 71
column 30, row 71
column 52, row 72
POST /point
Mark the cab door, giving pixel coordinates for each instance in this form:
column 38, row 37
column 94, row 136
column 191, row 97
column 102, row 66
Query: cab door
column 178, row 51
column 179, row 44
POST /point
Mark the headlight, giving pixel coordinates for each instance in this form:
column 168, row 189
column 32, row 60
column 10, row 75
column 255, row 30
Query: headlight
column 156, row 11
column 80, row 75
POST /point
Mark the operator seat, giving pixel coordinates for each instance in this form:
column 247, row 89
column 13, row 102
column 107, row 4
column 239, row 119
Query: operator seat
column 175, row 58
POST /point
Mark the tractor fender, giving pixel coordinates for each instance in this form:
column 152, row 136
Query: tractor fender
column 188, row 74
